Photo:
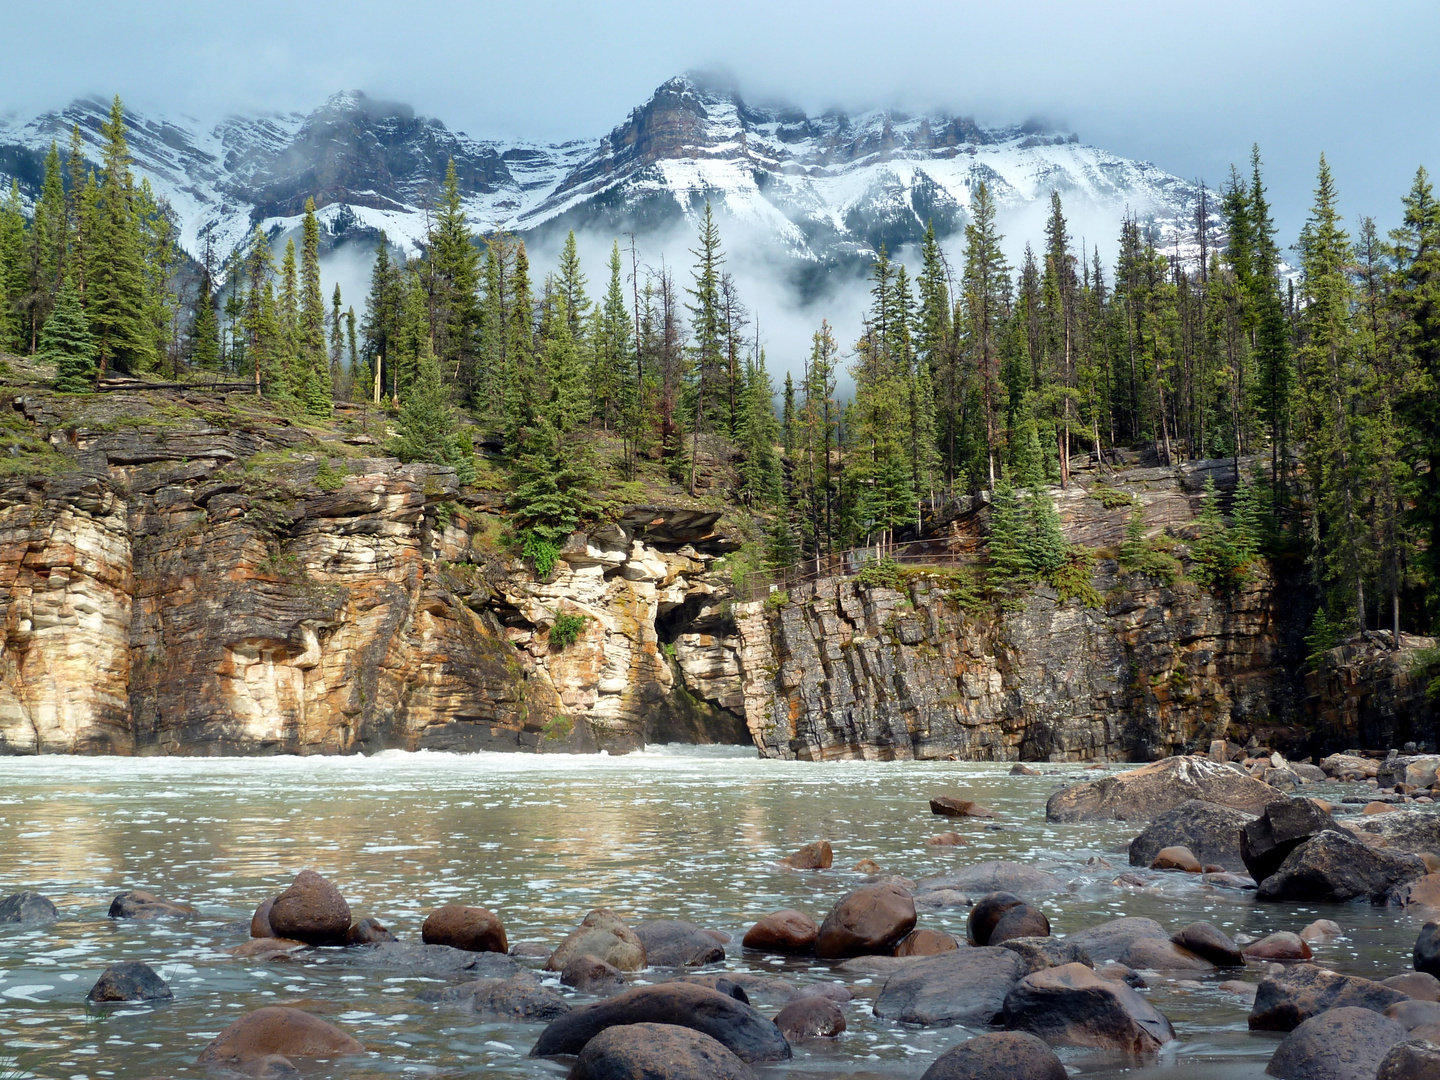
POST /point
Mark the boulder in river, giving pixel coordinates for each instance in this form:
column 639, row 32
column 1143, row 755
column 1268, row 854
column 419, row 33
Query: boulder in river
column 1413, row 1059
column 676, row 943
column 1204, row 939
column 260, row 922
column 787, row 931
column 604, row 935
column 869, row 920
column 1418, row 984
column 592, row 976
column 1413, row 1014
column 949, row 806
column 1320, row 930
column 1074, row 1006
column 1040, row 953
column 1109, row 940
column 998, row 1055
column 1284, row 826
column 1162, row 954
column 1339, row 1044
column 967, row 986
column 1415, row 832
column 311, row 910
column 1177, row 858
column 129, row 981
column 27, row 907
column 1022, row 920
column 437, row 961
column 810, row 1017
column 1423, row 892
column 947, row 839
column 278, row 1029
column 742, row 1030
column 657, row 1052
column 1281, row 945
column 1426, row 957
column 1145, row 793
column 1353, row 765
column 1332, row 867
column 368, row 932
column 516, row 999
column 139, row 904
column 1287, row 999
column 813, row 856
column 987, row 912
column 473, row 929
column 926, row 942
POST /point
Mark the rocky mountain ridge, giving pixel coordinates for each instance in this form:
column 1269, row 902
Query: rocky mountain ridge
column 819, row 192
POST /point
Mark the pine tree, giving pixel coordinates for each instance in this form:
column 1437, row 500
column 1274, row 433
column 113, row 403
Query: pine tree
column 1008, row 565
column 427, row 426
column 1045, row 547
column 453, row 262
column 114, row 269
column 204, row 336
column 706, row 341
column 66, row 343
column 13, row 336
column 314, row 387
column 987, row 285
column 48, row 243
column 758, row 435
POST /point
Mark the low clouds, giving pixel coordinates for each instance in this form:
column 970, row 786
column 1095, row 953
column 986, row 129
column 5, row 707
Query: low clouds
column 1188, row 86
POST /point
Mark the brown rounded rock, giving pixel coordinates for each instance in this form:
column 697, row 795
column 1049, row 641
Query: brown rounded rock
column 787, row 931
column 1281, row 945
column 1157, row 954
column 810, row 1017
column 1295, row 994
column 311, row 910
column 1413, row 1059
column 1320, row 930
column 140, row 904
column 1022, row 920
column 1413, row 1014
column 265, row 947
column 926, row 942
column 1208, row 941
column 1177, row 858
column 604, row 935
column 1417, row 984
column 280, row 1030
column 867, row 866
column 869, row 920
column 473, row 929
column 260, row 922
column 676, row 943
column 1377, row 808
column 1019, row 769
column 648, row 1051
column 987, row 913
column 998, row 1055
column 813, row 856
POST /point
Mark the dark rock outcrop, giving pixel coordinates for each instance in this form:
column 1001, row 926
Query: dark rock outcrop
column 1209, row 830
column 1208, row 941
column 1145, row 793
column 27, row 907
column 1285, row 1000
column 675, row 943
column 1335, row 867
column 129, row 981
column 1109, row 940
column 1339, row 1044
column 1284, row 826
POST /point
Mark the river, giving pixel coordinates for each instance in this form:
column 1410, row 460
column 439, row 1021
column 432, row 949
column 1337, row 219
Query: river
column 675, row 832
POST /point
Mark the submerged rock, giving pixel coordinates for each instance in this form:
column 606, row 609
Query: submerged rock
column 27, row 907
column 592, row 976
column 279, row 1030
column 813, row 856
column 676, row 943
column 139, row 904
column 810, row 1017
column 948, row 806
column 972, row 882
column 519, row 998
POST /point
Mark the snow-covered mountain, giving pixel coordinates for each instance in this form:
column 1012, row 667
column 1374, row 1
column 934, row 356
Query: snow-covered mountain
column 820, row 193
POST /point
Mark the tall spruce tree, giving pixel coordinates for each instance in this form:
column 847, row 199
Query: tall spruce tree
column 66, row 342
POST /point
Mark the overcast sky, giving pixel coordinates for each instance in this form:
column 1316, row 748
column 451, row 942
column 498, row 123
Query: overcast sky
column 1189, row 86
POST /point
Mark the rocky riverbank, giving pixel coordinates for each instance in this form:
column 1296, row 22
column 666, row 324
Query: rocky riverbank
column 968, row 956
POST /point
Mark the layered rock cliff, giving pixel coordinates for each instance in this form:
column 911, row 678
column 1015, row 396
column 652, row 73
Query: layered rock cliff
column 190, row 578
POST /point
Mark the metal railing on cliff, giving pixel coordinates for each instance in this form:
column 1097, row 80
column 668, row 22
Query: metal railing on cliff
column 935, row 551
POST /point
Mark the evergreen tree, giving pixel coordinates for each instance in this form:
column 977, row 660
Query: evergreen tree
column 706, row 342
column 114, row 269
column 758, row 435
column 204, row 336
column 314, row 387
column 66, row 343
column 427, row 425
column 453, row 262
column 13, row 336
column 987, row 286
column 1008, row 566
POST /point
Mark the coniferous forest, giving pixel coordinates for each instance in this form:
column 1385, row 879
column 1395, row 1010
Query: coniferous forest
column 1315, row 367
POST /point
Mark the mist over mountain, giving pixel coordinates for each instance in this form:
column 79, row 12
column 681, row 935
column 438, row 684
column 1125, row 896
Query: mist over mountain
column 804, row 202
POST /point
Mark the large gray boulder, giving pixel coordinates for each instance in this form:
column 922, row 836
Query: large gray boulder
column 1209, row 830
column 1145, row 793
column 1074, row 1006
column 1287, row 999
column 1284, row 826
column 1339, row 1044
column 1333, row 867
column 27, row 907
column 966, row 986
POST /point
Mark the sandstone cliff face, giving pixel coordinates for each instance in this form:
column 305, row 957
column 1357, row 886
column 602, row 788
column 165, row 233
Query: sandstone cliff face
column 843, row 670
column 160, row 593
column 1366, row 693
